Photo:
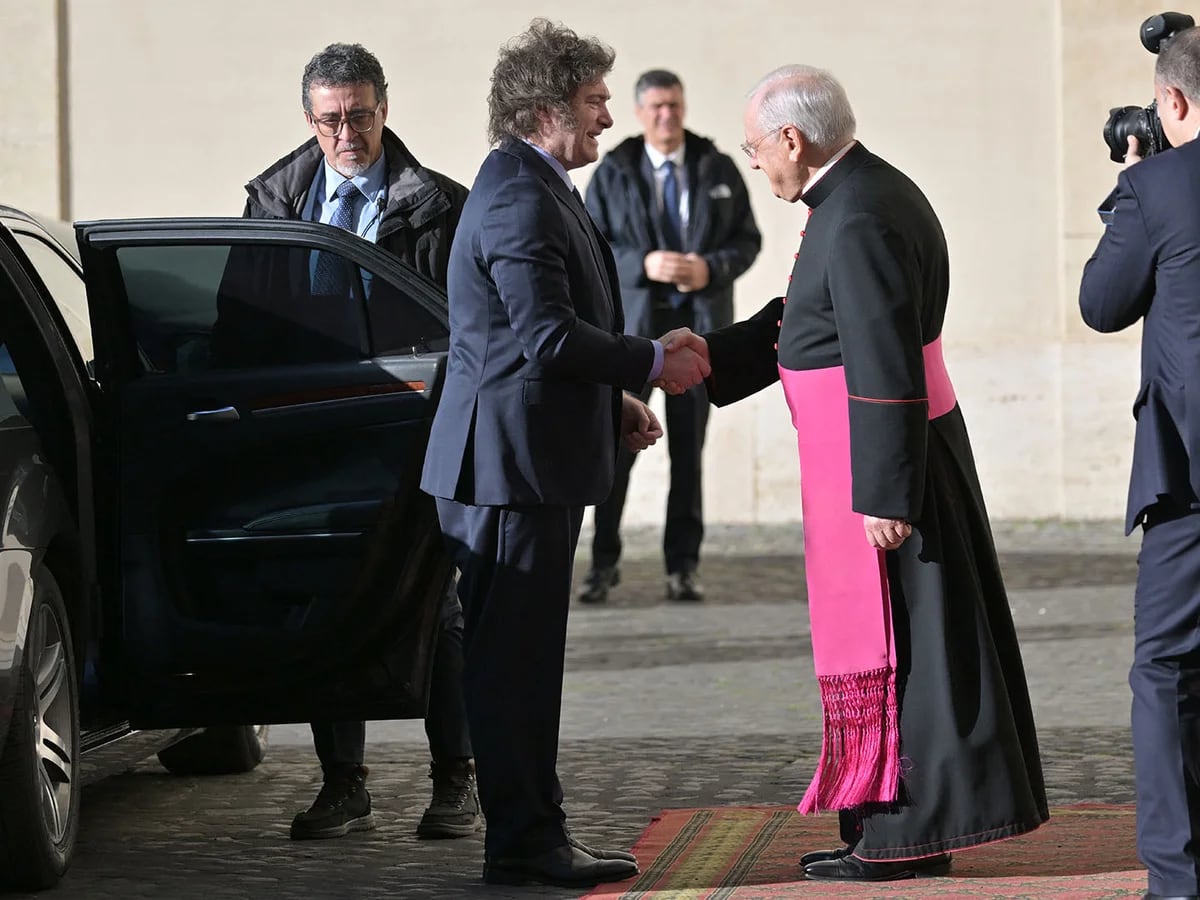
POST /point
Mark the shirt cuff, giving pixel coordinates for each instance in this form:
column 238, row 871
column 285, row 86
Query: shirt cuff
column 656, row 369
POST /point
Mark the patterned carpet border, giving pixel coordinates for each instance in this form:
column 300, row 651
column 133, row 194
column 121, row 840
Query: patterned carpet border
column 1085, row 852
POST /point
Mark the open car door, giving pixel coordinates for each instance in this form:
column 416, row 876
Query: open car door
column 266, row 395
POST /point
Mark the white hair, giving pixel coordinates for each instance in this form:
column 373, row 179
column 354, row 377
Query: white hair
column 809, row 98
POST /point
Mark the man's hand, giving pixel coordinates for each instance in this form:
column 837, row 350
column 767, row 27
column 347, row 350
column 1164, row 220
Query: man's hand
column 695, row 274
column 666, row 266
column 682, row 341
column 1132, row 157
column 640, row 428
column 886, row 534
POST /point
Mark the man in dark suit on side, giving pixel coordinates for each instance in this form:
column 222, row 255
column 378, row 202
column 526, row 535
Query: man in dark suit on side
column 677, row 214
column 1147, row 268
column 526, row 434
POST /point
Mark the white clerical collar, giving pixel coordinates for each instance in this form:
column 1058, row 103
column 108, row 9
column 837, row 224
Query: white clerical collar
column 657, row 157
column 821, row 172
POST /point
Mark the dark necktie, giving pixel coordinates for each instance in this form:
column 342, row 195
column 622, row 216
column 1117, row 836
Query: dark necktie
column 672, row 225
column 330, row 277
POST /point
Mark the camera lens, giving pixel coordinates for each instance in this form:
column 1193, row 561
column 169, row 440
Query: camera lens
column 1124, row 121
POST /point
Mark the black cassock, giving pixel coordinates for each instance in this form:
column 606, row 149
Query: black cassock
column 868, row 292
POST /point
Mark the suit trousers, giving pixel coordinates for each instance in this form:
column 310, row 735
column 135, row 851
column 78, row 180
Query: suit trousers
column 342, row 744
column 515, row 565
column 686, row 424
column 1165, row 679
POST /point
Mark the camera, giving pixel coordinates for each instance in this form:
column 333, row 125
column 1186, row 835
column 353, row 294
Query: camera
column 1143, row 122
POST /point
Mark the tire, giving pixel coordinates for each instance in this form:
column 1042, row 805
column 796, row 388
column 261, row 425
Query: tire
column 223, row 750
column 39, row 763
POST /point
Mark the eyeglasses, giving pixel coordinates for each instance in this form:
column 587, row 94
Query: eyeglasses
column 750, row 148
column 331, row 126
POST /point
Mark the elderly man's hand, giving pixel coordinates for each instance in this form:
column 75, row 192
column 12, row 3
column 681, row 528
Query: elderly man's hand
column 685, row 363
column 886, row 534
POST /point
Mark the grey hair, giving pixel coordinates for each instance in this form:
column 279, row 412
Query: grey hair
column 539, row 71
column 339, row 65
column 1178, row 64
column 655, row 78
column 809, row 98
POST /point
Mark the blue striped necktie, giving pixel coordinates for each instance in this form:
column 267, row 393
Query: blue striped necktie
column 330, row 277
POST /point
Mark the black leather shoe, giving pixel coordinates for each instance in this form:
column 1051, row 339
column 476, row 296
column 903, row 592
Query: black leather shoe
column 824, row 855
column 1150, row 895
column 851, row 868
column 598, row 583
column 564, row 866
column 600, row 854
column 682, row 587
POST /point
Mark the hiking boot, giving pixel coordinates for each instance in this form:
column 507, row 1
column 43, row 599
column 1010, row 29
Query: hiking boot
column 597, row 584
column 342, row 806
column 454, row 810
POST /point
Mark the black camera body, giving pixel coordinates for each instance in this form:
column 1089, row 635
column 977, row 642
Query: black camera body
column 1143, row 122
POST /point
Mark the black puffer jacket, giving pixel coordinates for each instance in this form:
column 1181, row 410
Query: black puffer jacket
column 417, row 223
column 721, row 227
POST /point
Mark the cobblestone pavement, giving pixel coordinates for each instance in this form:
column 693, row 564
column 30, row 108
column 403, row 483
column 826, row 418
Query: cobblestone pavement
column 666, row 706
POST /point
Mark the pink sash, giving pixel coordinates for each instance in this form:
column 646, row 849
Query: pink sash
column 848, row 601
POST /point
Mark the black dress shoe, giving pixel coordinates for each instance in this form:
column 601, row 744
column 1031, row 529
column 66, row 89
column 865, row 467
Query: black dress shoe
column 1150, row 895
column 851, row 868
column 682, row 587
column 597, row 584
column 564, row 866
column 600, row 854
column 824, row 855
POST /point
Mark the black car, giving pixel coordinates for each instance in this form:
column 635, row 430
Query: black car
column 211, row 516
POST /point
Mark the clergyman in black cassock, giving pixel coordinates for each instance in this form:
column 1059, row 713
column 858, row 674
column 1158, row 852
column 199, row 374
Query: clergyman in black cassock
column 950, row 757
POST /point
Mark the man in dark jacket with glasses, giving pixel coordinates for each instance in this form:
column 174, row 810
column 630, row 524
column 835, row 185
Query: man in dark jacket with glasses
column 357, row 174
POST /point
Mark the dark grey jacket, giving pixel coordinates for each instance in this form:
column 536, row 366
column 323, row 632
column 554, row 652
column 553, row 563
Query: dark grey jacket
column 721, row 227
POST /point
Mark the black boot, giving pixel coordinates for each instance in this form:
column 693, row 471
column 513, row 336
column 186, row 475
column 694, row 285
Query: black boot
column 454, row 810
column 342, row 806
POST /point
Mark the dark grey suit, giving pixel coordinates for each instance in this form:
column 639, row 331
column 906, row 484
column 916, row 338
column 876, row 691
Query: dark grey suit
column 1147, row 268
column 524, row 438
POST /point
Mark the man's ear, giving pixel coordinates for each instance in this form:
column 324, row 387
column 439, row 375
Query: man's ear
column 1174, row 103
column 794, row 142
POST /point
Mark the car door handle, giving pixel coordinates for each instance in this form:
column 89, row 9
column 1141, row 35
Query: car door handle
column 224, row 414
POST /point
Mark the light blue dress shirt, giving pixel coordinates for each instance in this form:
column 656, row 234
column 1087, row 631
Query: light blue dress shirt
column 372, row 185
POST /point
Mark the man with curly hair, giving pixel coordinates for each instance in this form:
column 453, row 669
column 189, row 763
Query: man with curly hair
column 526, row 434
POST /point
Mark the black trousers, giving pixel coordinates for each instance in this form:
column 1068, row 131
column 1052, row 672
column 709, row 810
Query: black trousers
column 1165, row 679
column 686, row 424
column 341, row 744
column 515, row 586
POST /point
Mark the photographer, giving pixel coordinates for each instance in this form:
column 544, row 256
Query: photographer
column 1147, row 267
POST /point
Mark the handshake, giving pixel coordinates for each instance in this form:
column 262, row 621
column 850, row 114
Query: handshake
column 685, row 361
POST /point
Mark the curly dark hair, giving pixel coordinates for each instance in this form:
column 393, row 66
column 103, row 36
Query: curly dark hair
column 539, row 71
column 342, row 64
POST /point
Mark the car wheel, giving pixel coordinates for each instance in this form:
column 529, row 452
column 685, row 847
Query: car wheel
column 224, row 750
column 39, row 763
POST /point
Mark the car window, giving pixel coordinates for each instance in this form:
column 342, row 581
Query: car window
column 200, row 307
column 65, row 284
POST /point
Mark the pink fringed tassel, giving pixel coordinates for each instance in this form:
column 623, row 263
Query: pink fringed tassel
column 860, row 748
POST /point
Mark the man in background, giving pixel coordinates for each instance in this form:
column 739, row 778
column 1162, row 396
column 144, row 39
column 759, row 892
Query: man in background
column 678, row 217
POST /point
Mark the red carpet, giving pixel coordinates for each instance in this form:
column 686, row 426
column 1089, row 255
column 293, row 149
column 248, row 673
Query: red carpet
column 746, row 853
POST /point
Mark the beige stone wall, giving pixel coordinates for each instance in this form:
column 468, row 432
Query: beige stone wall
column 31, row 164
column 995, row 113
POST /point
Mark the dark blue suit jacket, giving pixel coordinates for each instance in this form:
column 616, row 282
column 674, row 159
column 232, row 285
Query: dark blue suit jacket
column 1147, row 266
column 530, row 411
